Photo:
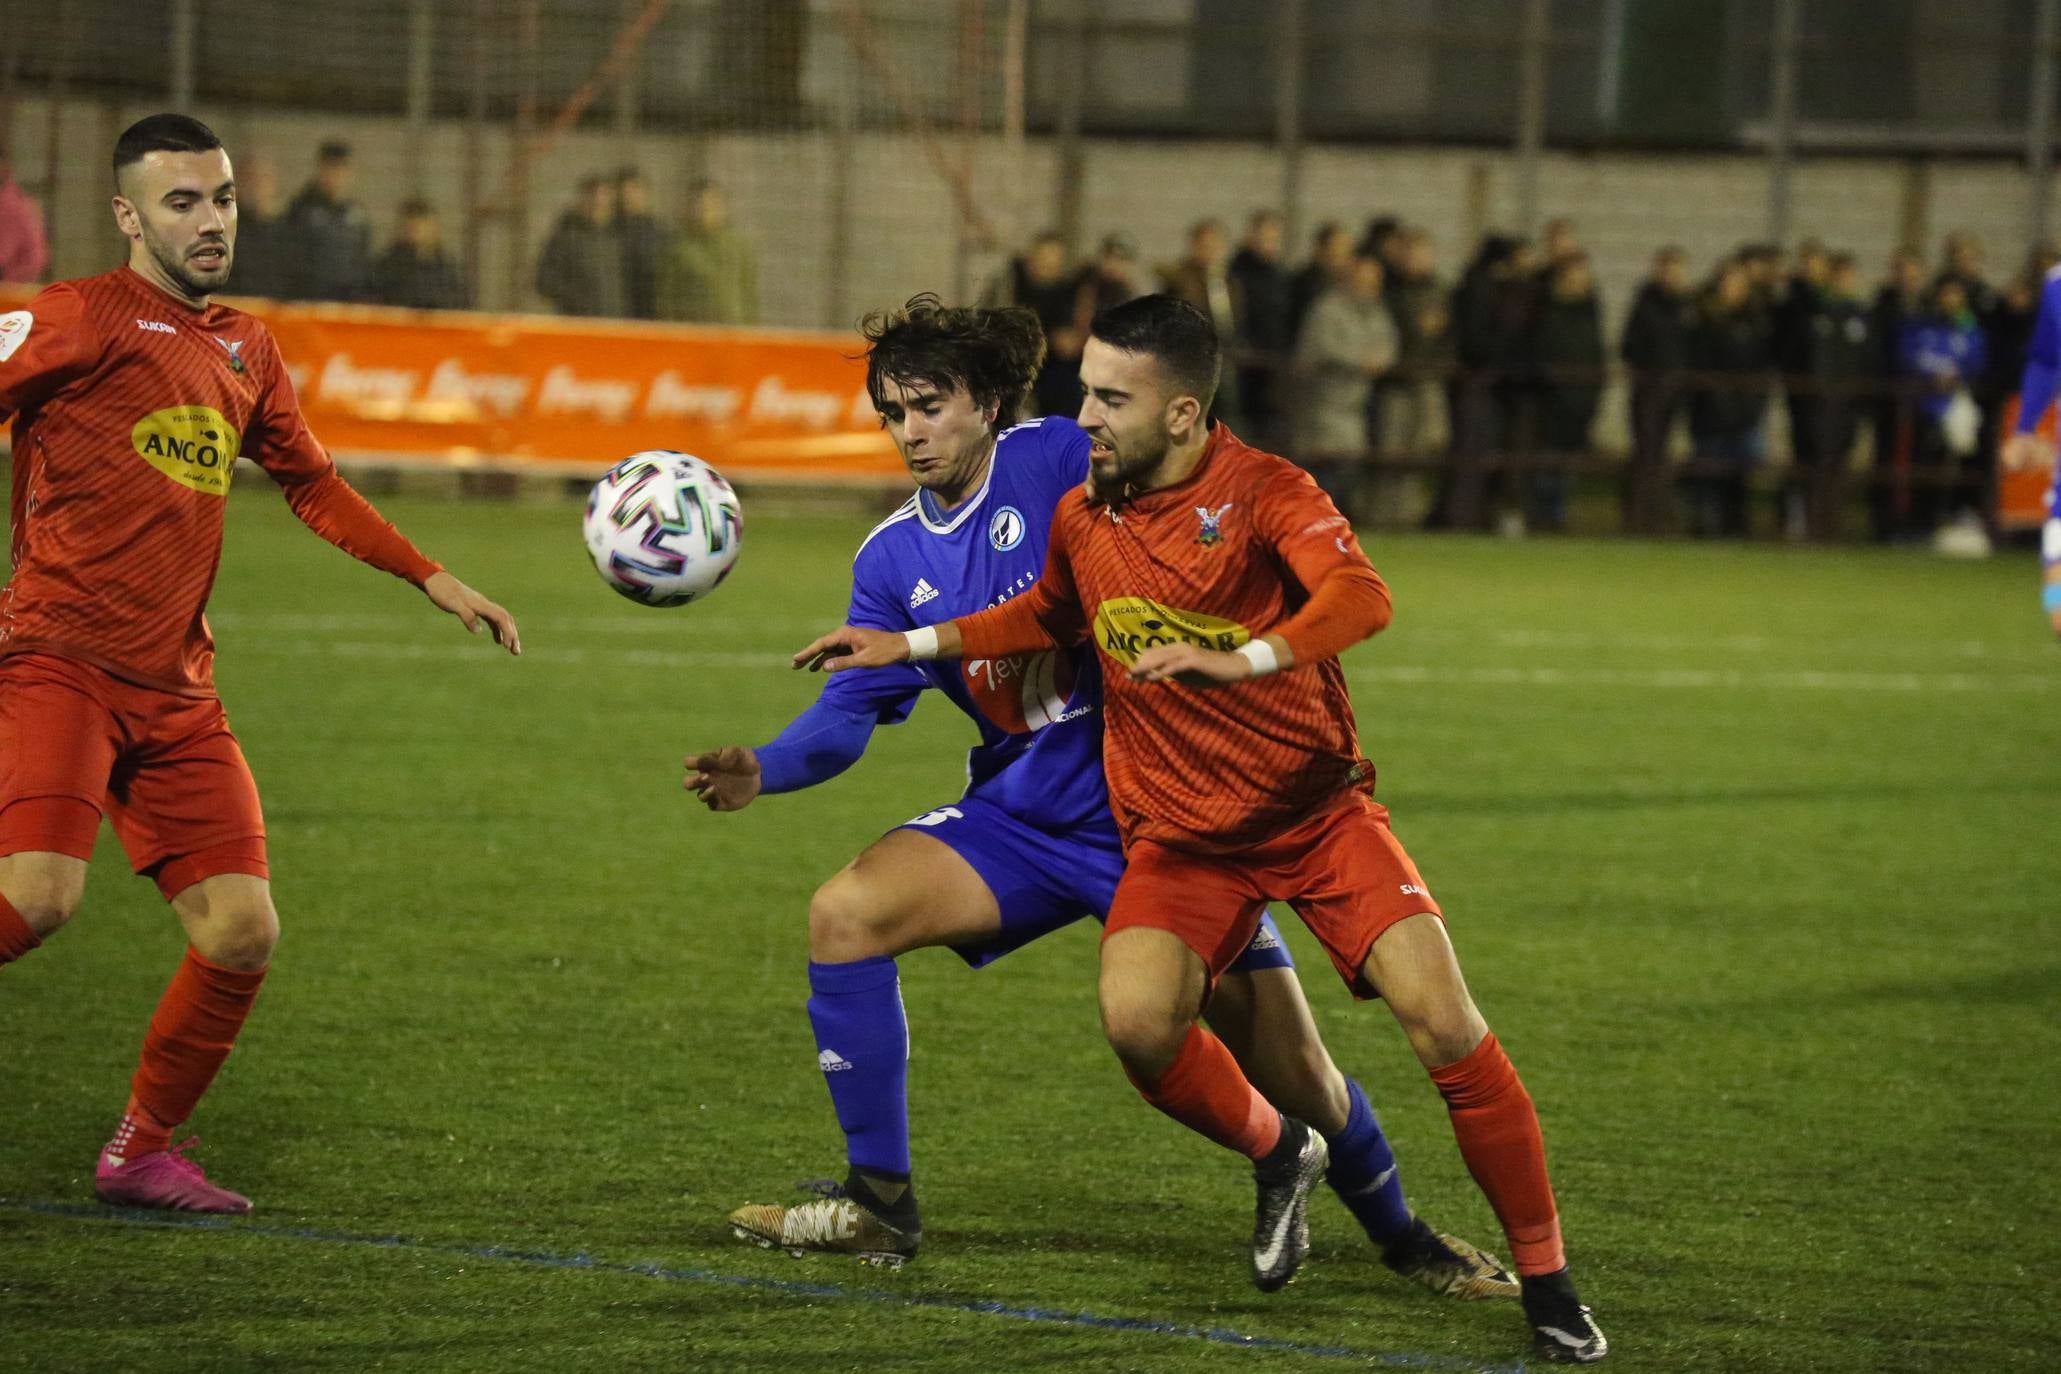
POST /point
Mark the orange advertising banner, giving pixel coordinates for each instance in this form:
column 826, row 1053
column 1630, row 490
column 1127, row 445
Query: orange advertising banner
column 2022, row 495
column 514, row 391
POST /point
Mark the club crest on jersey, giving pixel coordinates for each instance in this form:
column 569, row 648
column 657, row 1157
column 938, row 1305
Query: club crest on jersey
column 1212, row 524
column 235, row 349
column 1005, row 531
column 195, row 446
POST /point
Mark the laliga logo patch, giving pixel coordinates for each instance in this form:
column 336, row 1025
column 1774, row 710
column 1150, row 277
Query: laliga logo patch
column 1212, row 522
column 14, row 327
column 1005, row 531
column 1127, row 626
column 193, row 445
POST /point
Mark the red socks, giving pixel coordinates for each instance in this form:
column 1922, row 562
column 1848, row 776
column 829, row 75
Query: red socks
column 16, row 939
column 1499, row 1138
column 195, row 1025
column 1204, row 1090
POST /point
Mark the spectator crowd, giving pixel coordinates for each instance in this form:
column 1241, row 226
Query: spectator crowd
column 1371, row 368
column 1468, row 403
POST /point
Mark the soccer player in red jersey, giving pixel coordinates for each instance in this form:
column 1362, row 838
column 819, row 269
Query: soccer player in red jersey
column 133, row 395
column 1221, row 585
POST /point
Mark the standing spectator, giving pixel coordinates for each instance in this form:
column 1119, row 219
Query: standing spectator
column 1567, row 346
column 1347, row 341
column 1265, row 343
column 1943, row 353
column 415, row 271
column 330, row 230
column 2009, row 340
column 1381, row 241
column 1202, row 278
column 24, row 249
column 1038, row 279
column 1656, row 349
column 1841, row 361
column 1795, row 321
column 643, row 243
column 1107, row 282
column 710, row 271
column 581, row 270
column 1330, row 264
column 268, row 251
column 1492, row 308
column 1422, row 308
column 1557, row 243
column 1900, row 302
column 1961, row 263
column 1730, row 347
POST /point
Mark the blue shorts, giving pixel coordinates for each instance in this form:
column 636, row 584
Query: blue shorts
column 1043, row 881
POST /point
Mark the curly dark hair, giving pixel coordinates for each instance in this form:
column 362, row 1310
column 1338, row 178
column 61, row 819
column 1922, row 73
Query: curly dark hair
column 991, row 353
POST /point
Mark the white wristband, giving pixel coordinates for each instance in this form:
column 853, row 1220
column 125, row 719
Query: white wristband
column 922, row 643
column 1261, row 656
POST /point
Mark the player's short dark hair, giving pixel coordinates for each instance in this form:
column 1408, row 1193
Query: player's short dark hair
column 1173, row 332
column 333, row 151
column 991, row 353
column 162, row 133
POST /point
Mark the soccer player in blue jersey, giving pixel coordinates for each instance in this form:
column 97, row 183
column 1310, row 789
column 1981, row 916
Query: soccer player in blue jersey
column 2035, row 394
column 1031, row 846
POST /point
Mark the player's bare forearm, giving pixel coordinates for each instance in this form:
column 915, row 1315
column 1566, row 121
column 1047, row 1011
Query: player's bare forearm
column 447, row 593
column 857, row 646
column 1194, row 666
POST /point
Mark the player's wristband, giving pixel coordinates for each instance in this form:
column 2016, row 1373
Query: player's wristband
column 2050, row 597
column 1261, row 656
column 922, row 643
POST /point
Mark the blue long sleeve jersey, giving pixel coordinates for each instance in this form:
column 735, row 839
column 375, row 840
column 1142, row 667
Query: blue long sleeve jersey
column 1039, row 715
column 2036, row 393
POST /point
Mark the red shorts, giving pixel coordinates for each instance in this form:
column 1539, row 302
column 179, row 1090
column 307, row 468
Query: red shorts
column 76, row 741
column 1342, row 871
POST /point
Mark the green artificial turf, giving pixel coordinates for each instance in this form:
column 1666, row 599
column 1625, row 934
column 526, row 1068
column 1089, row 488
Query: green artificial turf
column 1750, row 855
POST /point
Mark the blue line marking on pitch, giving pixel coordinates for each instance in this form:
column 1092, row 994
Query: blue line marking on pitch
column 1215, row 1335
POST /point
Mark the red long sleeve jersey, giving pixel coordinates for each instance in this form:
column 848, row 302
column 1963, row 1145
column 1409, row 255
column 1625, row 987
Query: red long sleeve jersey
column 130, row 409
column 1232, row 552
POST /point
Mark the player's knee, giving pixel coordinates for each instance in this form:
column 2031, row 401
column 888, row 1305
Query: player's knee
column 1146, row 1035
column 44, row 895
column 848, row 921
column 242, row 936
column 1444, row 1035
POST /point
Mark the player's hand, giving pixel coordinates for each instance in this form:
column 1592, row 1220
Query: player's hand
column 852, row 646
column 2024, row 451
column 1191, row 666
column 447, row 593
column 725, row 779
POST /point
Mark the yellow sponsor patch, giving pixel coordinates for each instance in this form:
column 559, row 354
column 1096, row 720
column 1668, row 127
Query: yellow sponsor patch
column 1129, row 625
column 192, row 445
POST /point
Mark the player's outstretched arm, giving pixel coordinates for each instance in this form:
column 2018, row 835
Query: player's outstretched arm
column 1194, row 666
column 855, row 646
column 447, row 593
column 726, row 779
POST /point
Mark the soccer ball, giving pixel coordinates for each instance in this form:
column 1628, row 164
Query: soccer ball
column 663, row 527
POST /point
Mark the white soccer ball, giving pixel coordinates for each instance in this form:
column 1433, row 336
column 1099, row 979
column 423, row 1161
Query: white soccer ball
column 664, row 528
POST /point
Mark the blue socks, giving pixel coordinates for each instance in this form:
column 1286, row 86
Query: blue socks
column 862, row 1044
column 1363, row 1173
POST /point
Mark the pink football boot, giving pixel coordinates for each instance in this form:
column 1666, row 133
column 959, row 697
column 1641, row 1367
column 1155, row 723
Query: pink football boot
column 163, row 1178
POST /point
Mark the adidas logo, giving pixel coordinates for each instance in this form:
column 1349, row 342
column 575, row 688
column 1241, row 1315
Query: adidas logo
column 830, row 1061
column 921, row 593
